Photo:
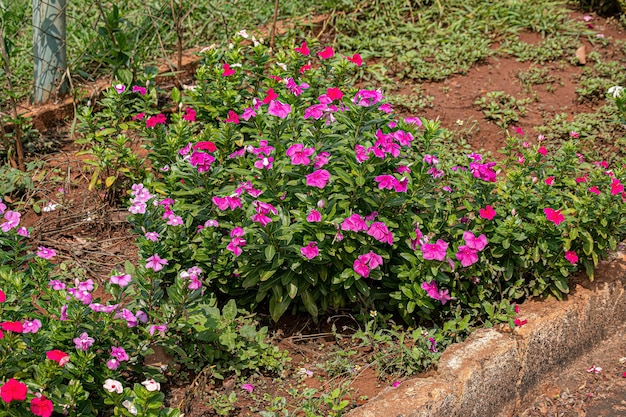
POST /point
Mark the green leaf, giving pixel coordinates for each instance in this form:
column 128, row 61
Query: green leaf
column 270, row 251
column 230, row 310
column 278, row 306
column 309, row 303
column 176, row 96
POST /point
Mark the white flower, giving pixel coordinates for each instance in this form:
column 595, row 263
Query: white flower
column 151, row 385
column 130, row 407
column 281, row 65
column 112, row 385
column 49, row 207
column 615, row 91
column 243, row 34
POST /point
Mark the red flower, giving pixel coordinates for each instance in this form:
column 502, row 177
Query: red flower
column 13, row 390
column 3, row 296
column 58, row 356
column 520, row 323
column 326, row 53
column 228, row 71
column 12, row 326
column 304, row 49
column 553, row 215
column 549, row 180
column 334, row 93
column 542, row 150
column 190, row 115
column 271, row 95
column 205, row 146
column 152, row 121
column 305, row 68
column 355, row 59
column 487, row 213
column 232, row 117
column 41, row 406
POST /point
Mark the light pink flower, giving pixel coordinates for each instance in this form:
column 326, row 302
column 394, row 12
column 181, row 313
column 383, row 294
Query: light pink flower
column 278, row 109
column 380, row 232
column 155, row 263
column 45, row 253
column 468, row 256
column 318, row 178
column 310, row 251
column 435, row 251
column 314, row 216
column 121, row 280
column 473, row 242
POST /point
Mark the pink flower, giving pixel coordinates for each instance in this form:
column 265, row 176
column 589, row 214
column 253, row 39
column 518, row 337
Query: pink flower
column 113, row 364
column 594, row 190
column 360, row 153
column 549, row 180
column 235, row 245
column 355, row 223
column 380, row 232
column 224, row 203
column 573, row 135
column 120, row 88
column 299, row 154
column 366, row 98
column 119, row 353
column 361, row 267
column 247, row 387
column 45, row 253
column 553, row 215
column 487, row 213
column 473, row 242
column 31, row 326
column 468, row 256
column 571, row 256
column 327, row 53
column 321, row 159
column 12, row 220
column 303, row 49
column 435, row 251
column 314, row 216
column 616, row 186
column 278, row 109
column 83, row 342
column 3, row 296
column 12, row 326
column 355, row 59
column 310, row 251
column 58, row 356
column 594, row 369
column 318, row 178
column 228, row 71
column 155, row 263
column 520, row 322
column 41, row 406
column 542, row 150
column 396, row 384
column 121, row 280
column 237, row 232
column 152, row 236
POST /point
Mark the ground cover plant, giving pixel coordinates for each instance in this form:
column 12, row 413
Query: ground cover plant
column 275, row 181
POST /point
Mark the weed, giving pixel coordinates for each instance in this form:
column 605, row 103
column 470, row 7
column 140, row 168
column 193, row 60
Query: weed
column 413, row 102
column 502, row 108
column 536, row 76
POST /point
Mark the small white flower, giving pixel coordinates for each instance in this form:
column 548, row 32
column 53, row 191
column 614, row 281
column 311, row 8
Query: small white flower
column 151, row 385
column 49, row 207
column 237, row 65
column 281, row 65
column 243, row 34
column 112, row 385
column 615, row 91
column 594, row 369
column 130, row 407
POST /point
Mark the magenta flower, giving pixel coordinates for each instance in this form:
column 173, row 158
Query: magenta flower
column 318, row 178
column 158, row 119
column 433, row 292
column 435, row 251
column 113, row 364
column 190, row 115
column 299, row 155
column 155, row 263
column 83, row 342
column 542, row 151
column 314, row 216
column 237, row 232
column 360, row 154
column 355, row 59
column 487, row 213
column 553, row 215
column 380, row 232
column 361, row 267
column 616, row 186
column 201, row 160
column 232, row 118
column 468, row 256
column 45, row 253
column 355, row 223
column 321, row 159
column 161, row 328
column 473, row 242
column 303, row 49
column 366, row 98
column 121, row 280
column 152, row 236
column 235, row 245
column 484, row 172
column 549, row 180
column 138, row 89
column 119, row 353
column 386, row 182
column 594, row 190
column 278, row 109
column 224, row 203
column 310, row 251
column 261, row 218
column 247, row 387
column 120, row 88
column 12, row 220
column 571, row 256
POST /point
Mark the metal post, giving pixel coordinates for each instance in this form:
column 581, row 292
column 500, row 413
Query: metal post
column 49, row 49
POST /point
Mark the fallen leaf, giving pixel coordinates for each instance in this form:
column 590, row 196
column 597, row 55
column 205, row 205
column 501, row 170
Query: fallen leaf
column 581, row 54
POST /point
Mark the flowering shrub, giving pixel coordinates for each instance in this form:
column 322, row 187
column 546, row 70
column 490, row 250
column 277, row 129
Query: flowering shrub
column 290, row 188
column 63, row 349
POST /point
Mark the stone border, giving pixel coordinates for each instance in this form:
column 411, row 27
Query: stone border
column 494, row 373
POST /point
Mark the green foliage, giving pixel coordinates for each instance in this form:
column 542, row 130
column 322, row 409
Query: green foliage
column 502, row 108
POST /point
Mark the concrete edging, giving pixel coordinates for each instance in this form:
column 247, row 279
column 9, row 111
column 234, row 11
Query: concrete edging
column 493, row 373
